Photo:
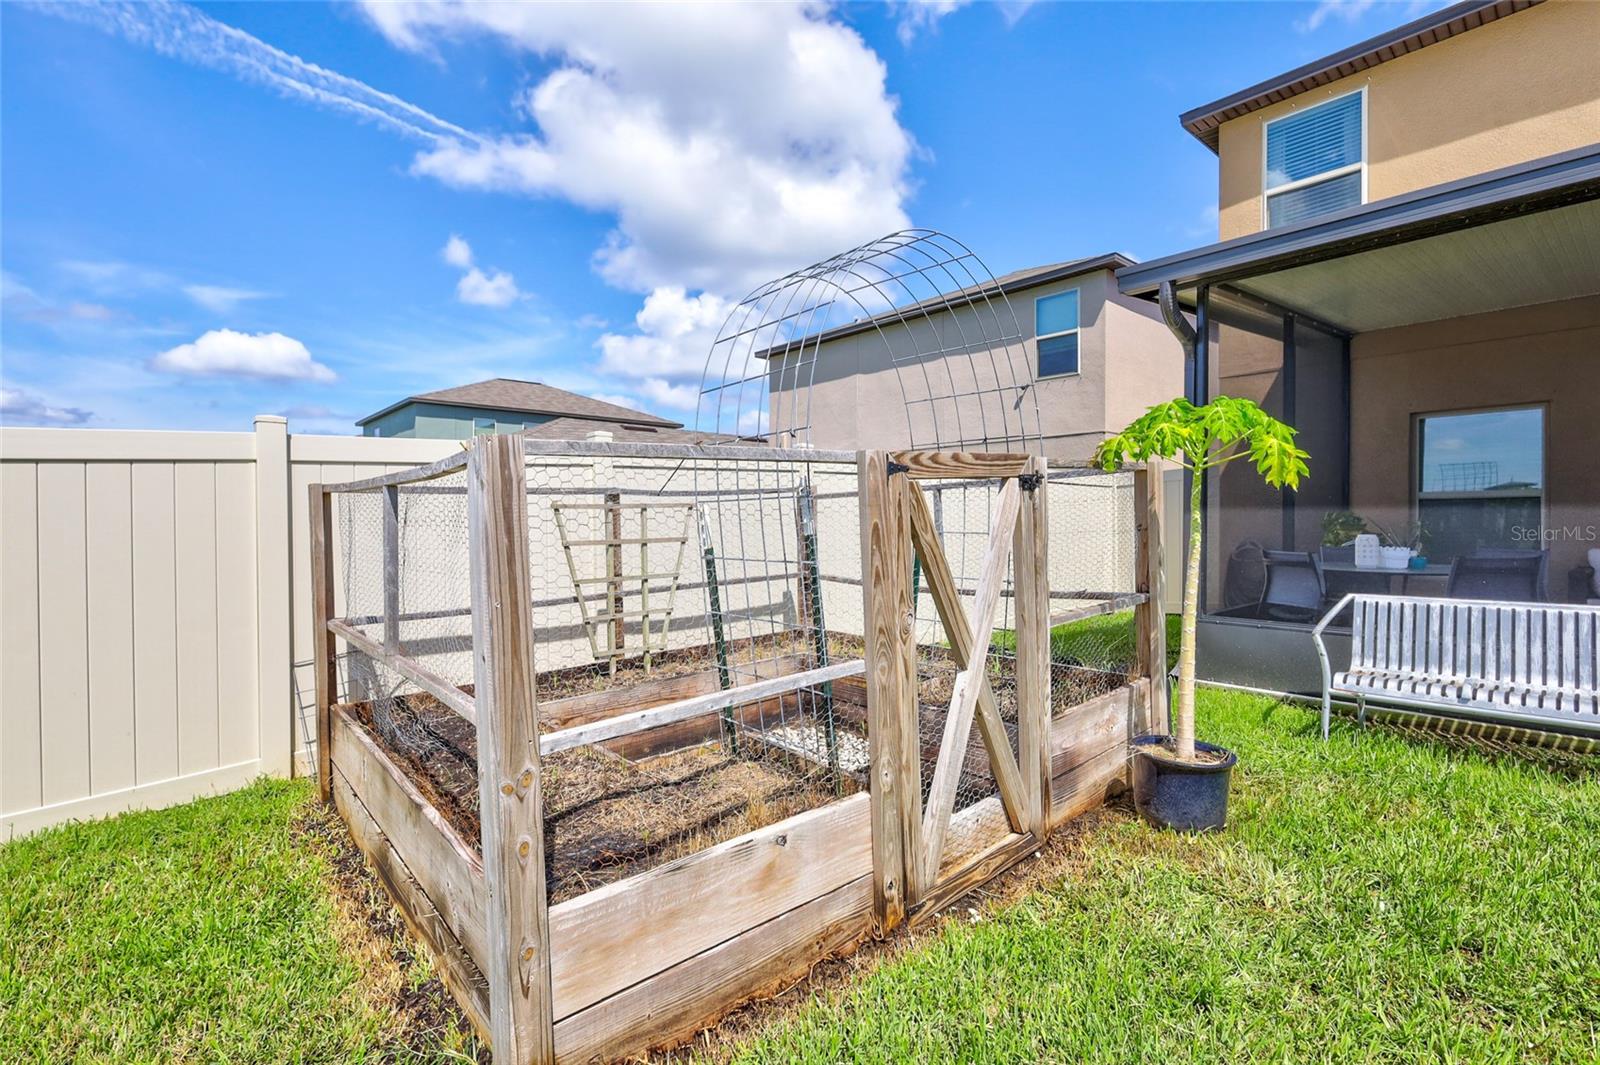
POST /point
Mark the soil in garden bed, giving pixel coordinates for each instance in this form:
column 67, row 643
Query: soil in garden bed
column 743, row 655
column 607, row 818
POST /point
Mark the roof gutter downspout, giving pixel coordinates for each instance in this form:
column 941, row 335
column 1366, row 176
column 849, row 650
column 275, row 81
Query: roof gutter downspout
column 1167, row 297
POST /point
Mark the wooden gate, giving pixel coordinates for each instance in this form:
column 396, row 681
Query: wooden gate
column 897, row 523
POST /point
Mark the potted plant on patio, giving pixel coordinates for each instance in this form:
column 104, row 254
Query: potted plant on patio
column 1178, row 782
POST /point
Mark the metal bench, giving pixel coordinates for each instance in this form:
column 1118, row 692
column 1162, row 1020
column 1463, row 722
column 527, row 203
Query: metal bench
column 1536, row 665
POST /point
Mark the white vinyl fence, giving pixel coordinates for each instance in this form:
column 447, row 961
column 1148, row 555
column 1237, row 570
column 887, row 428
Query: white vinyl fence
column 153, row 597
column 155, row 624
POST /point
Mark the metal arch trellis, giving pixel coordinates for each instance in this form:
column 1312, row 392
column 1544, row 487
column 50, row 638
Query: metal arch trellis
column 965, row 380
column 939, row 320
column 917, row 303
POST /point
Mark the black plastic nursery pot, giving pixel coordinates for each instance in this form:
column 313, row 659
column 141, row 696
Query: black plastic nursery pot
column 1187, row 796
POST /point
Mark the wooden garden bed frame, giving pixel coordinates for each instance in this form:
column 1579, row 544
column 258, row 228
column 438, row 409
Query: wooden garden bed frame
column 649, row 960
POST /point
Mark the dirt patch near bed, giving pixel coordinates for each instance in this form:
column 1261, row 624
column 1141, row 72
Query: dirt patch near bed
column 425, row 1017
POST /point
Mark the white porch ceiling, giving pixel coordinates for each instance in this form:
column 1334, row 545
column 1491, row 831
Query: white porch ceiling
column 1537, row 258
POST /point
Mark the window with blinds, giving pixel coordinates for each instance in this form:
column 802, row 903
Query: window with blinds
column 1055, row 325
column 1315, row 160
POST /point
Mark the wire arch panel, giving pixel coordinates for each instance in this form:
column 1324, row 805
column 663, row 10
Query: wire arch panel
column 918, row 307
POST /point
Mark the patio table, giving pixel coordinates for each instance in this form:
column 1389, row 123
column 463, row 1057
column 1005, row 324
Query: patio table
column 1432, row 569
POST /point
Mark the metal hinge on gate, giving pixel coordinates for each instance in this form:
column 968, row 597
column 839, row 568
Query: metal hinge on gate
column 1029, row 481
column 898, row 467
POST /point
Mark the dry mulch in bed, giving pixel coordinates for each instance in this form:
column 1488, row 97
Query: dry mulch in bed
column 606, row 818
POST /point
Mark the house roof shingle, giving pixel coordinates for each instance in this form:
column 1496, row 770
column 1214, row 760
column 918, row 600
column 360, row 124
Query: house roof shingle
column 530, row 397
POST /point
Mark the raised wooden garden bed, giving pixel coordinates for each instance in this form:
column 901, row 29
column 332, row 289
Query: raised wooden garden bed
column 605, row 861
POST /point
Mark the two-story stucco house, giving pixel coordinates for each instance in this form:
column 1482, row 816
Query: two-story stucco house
column 1096, row 358
column 1409, row 272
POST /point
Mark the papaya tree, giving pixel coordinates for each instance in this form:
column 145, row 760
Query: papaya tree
column 1202, row 438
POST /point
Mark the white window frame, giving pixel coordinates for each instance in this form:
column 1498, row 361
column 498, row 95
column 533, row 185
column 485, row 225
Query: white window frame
column 1037, row 336
column 1315, row 179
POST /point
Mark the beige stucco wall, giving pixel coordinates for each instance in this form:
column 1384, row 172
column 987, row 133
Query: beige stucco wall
column 1146, row 366
column 1547, row 354
column 858, row 398
column 1519, row 88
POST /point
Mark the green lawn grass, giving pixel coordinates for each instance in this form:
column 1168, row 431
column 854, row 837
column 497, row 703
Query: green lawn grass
column 204, row 933
column 1374, row 899
column 1103, row 642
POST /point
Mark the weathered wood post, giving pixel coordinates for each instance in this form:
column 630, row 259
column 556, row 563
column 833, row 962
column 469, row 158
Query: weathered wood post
column 1151, row 623
column 1030, row 560
column 324, row 654
column 895, row 755
column 613, row 518
column 521, row 1023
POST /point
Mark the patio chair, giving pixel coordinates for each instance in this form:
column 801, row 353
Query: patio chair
column 1295, row 587
column 1542, row 589
column 1508, row 578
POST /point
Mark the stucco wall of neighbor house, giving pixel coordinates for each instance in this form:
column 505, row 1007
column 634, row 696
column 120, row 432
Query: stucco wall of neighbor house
column 1519, row 88
column 1144, row 360
column 439, row 421
column 860, row 398
column 1546, row 354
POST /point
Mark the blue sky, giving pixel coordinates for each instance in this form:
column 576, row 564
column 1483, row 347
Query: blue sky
column 214, row 211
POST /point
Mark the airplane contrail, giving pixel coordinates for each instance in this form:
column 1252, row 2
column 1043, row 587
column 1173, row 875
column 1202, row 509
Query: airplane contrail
column 182, row 32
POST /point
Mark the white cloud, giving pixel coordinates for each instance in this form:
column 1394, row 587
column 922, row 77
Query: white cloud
column 620, row 400
column 666, row 394
column 220, row 299
column 675, row 334
column 114, row 278
column 919, row 15
column 780, row 108
column 457, row 252
column 223, row 352
column 493, row 289
column 1344, row 10
column 24, row 302
column 21, row 407
column 497, row 289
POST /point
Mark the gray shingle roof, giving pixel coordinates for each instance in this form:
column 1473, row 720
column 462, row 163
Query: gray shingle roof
column 530, row 397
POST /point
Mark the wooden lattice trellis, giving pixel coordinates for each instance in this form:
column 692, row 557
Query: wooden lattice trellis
column 612, row 621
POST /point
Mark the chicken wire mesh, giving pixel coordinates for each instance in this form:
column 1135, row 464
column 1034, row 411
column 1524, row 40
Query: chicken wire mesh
column 1092, row 540
column 661, row 577
column 654, row 578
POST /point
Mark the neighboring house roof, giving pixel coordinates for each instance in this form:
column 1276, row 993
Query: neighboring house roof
column 528, row 397
column 580, row 428
column 1443, row 24
column 1005, row 284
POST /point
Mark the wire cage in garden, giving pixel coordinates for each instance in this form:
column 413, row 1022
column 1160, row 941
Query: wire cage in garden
column 634, row 732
